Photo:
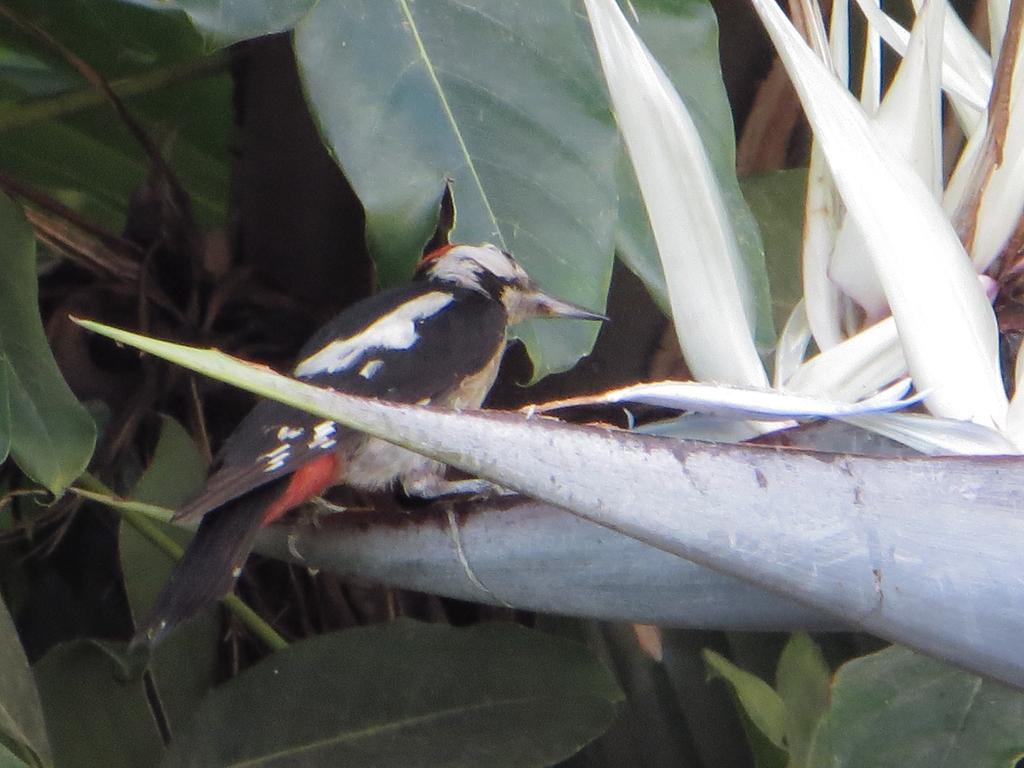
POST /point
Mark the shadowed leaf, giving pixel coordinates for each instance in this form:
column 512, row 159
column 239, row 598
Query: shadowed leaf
column 513, row 114
column 896, row 707
column 183, row 667
column 51, row 434
column 407, row 694
column 21, row 715
column 95, row 715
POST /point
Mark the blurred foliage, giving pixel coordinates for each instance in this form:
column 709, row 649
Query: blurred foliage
column 129, row 218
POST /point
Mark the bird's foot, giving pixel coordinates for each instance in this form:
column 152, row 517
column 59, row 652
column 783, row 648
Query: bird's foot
column 432, row 487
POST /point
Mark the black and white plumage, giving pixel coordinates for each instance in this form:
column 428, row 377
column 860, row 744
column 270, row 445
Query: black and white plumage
column 437, row 341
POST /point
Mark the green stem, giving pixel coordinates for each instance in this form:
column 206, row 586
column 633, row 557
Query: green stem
column 38, row 110
column 93, row 488
column 24, row 753
column 254, row 623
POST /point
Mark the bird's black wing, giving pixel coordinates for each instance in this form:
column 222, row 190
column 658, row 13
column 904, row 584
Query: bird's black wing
column 447, row 345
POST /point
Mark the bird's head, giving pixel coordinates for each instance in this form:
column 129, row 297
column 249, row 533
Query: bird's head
column 492, row 271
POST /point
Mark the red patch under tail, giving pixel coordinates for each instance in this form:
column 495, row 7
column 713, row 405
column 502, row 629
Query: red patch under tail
column 307, row 481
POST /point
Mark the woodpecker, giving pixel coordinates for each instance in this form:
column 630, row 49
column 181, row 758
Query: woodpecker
column 437, row 341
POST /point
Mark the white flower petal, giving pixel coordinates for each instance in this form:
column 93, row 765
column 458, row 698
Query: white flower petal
column 698, row 250
column 935, row 436
column 946, row 325
column 792, row 345
column 909, row 120
column 966, row 68
column 860, row 365
column 741, row 402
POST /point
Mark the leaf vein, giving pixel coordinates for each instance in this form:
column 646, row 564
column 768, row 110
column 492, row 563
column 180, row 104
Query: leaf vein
column 432, row 72
column 381, row 728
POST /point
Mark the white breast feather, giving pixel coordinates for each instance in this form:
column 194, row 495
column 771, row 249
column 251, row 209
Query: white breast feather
column 395, row 330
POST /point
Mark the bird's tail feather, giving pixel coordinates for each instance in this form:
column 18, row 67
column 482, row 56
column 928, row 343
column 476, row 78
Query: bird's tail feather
column 209, row 567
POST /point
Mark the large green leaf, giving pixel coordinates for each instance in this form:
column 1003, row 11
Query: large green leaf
column 96, row 715
column 407, row 694
column 183, row 666
column 898, row 708
column 51, row 434
column 222, row 22
column 21, row 715
column 500, row 97
column 683, row 37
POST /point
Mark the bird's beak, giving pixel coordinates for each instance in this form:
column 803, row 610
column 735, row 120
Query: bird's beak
column 533, row 302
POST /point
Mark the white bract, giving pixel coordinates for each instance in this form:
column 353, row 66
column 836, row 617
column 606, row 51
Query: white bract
column 707, row 284
column 889, row 289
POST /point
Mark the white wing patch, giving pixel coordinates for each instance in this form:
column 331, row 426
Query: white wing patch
column 323, row 436
column 277, row 458
column 395, row 330
column 289, row 433
column 368, row 370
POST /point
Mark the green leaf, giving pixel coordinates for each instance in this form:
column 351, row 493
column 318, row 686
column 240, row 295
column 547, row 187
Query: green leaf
column 9, row 760
column 90, row 161
column 96, row 717
column 75, row 166
column 513, row 113
column 52, row 435
column 648, row 730
column 5, row 409
column 407, row 694
column 84, row 155
column 683, row 37
column 193, row 124
column 762, row 710
column 115, row 37
column 183, row 667
column 777, row 203
column 896, row 707
column 21, row 714
column 802, row 681
column 223, row 22
column 176, row 471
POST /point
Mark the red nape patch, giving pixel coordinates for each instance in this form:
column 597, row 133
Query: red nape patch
column 307, row 481
column 436, row 254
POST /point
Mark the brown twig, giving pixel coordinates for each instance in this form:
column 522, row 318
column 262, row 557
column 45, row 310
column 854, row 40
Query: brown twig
column 82, row 241
column 769, row 126
column 84, row 249
column 966, row 217
column 807, row 18
column 21, row 190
